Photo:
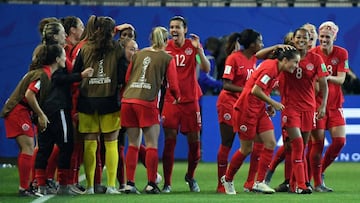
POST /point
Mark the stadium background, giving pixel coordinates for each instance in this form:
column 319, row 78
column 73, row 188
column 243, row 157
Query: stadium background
column 19, row 36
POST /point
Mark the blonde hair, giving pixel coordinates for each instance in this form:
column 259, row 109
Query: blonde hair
column 159, row 37
column 288, row 38
column 331, row 26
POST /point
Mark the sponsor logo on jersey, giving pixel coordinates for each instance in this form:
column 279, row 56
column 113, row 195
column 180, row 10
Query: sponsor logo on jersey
column 227, row 69
column 265, row 79
column 346, row 64
column 323, row 68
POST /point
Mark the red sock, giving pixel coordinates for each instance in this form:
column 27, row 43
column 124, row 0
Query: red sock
column 278, row 158
column 315, row 160
column 52, row 163
column 265, row 159
column 288, row 165
column 168, row 159
column 75, row 163
column 254, row 162
column 222, row 161
column 32, row 177
column 121, row 164
column 62, row 175
column 152, row 160
column 306, row 166
column 297, row 147
column 307, row 157
column 142, row 155
column 40, row 175
column 193, row 158
column 132, row 156
column 100, row 160
column 333, row 151
column 235, row 163
column 25, row 162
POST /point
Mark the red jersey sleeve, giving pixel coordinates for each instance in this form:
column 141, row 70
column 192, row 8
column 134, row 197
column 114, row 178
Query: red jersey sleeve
column 171, row 75
column 343, row 65
column 267, row 73
column 34, row 86
column 320, row 66
column 229, row 70
column 128, row 72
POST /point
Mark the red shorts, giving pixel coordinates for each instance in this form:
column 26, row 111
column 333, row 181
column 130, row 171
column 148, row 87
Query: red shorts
column 138, row 116
column 305, row 120
column 247, row 124
column 18, row 122
column 185, row 115
column 225, row 113
column 332, row 118
column 225, row 107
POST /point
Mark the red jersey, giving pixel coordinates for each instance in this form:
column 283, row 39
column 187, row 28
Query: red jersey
column 75, row 51
column 336, row 61
column 264, row 76
column 238, row 69
column 185, row 59
column 69, row 63
column 299, row 86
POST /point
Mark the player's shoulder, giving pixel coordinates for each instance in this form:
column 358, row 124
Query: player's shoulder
column 340, row 50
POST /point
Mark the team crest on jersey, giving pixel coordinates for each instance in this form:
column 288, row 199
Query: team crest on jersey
column 284, row 119
column 25, row 127
column 243, row 128
column 334, row 61
column 188, row 51
column 310, row 66
column 227, row 116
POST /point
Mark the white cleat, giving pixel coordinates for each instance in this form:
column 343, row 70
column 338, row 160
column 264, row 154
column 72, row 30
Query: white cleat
column 262, row 187
column 228, row 185
column 90, row 191
column 112, row 191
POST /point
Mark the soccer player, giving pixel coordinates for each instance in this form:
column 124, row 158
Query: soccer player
column 57, row 106
column 299, row 97
column 145, row 75
column 25, row 102
column 187, row 113
column 239, row 66
column 336, row 61
column 251, row 115
column 98, row 104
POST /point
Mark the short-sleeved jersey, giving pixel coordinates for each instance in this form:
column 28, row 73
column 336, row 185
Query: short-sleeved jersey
column 336, row 61
column 185, row 59
column 238, row 69
column 35, row 85
column 299, row 86
column 264, row 77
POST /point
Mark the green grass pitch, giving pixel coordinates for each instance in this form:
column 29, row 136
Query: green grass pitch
column 344, row 178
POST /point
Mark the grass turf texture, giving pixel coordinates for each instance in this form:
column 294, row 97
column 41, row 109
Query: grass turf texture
column 342, row 177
